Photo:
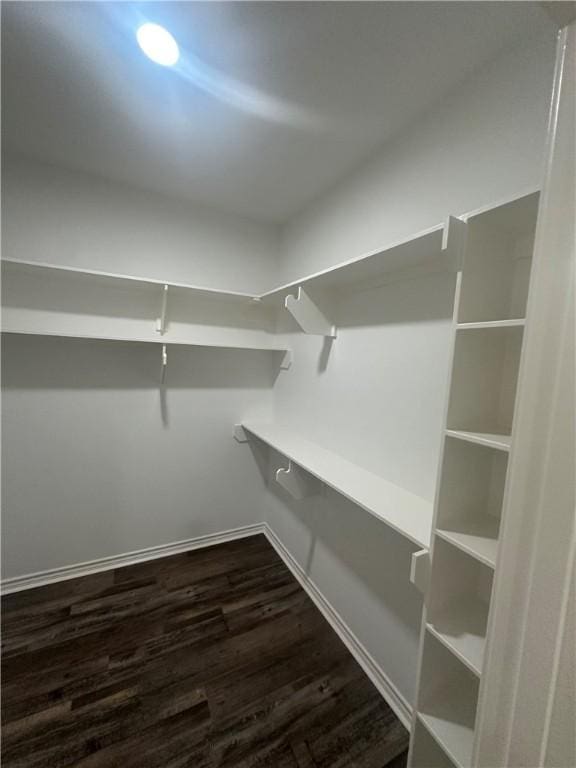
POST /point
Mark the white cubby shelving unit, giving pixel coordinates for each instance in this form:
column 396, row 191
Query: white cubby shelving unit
column 488, row 329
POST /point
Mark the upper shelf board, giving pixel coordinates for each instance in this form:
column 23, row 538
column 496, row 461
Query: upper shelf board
column 402, row 510
column 32, row 267
column 491, row 324
column 489, row 439
column 514, row 217
column 423, row 250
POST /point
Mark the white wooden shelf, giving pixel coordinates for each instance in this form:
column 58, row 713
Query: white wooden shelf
column 452, row 726
column 412, row 256
column 70, row 303
column 479, row 539
column 488, row 324
column 497, row 263
column 199, row 340
column 489, row 439
column 402, row 510
column 427, row 752
column 461, row 627
column 55, row 300
column 488, row 336
column 424, row 249
column 447, row 699
column 118, row 278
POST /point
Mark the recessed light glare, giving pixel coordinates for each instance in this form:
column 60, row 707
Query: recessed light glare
column 158, row 44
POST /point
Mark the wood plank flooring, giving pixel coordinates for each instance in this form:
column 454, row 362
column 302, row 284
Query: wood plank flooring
column 209, row 659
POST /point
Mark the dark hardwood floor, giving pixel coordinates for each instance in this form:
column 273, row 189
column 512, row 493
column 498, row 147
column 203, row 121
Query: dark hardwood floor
column 210, row 658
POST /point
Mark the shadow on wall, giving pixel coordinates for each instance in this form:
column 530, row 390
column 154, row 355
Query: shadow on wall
column 46, row 362
column 365, row 548
column 416, row 300
column 386, row 307
column 376, row 553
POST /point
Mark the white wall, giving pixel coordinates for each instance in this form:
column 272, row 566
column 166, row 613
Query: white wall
column 72, row 218
column 378, row 396
column 482, row 144
column 94, row 463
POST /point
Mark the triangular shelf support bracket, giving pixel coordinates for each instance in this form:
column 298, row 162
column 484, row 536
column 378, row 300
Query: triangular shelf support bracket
column 286, row 361
column 299, row 483
column 308, row 316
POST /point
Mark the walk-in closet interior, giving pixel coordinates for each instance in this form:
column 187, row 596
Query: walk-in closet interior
column 288, row 437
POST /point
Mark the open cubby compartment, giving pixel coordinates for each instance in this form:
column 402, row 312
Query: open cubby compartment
column 426, row 752
column 459, row 602
column 447, row 701
column 484, row 380
column 38, row 299
column 470, row 498
column 497, row 263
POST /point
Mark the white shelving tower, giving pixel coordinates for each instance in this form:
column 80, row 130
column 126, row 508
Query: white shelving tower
column 489, row 319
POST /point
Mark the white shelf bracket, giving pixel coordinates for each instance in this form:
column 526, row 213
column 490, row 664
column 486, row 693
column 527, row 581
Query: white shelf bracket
column 161, row 321
column 286, row 360
column 240, row 434
column 164, row 364
column 454, row 240
column 299, row 483
column 420, row 570
column 308, row 316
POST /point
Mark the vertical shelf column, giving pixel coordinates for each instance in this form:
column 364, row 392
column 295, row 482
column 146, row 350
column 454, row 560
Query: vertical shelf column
column 487, row 330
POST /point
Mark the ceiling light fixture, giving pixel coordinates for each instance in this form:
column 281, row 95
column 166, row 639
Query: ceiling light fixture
column 158, row 44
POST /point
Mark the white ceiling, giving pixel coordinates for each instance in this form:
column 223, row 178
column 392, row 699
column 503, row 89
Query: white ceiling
column 274, row 101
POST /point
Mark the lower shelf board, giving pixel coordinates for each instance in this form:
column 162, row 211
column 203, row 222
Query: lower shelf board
column 490, row 439
column 450, row 719
column 197, row 340
column 402, row 510
column 462, row 628
column 456, row 740
column 426, row 751
column 480, row 540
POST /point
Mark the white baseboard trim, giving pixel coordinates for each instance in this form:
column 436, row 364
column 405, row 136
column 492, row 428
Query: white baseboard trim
column 42, row 578
column 372, row 669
